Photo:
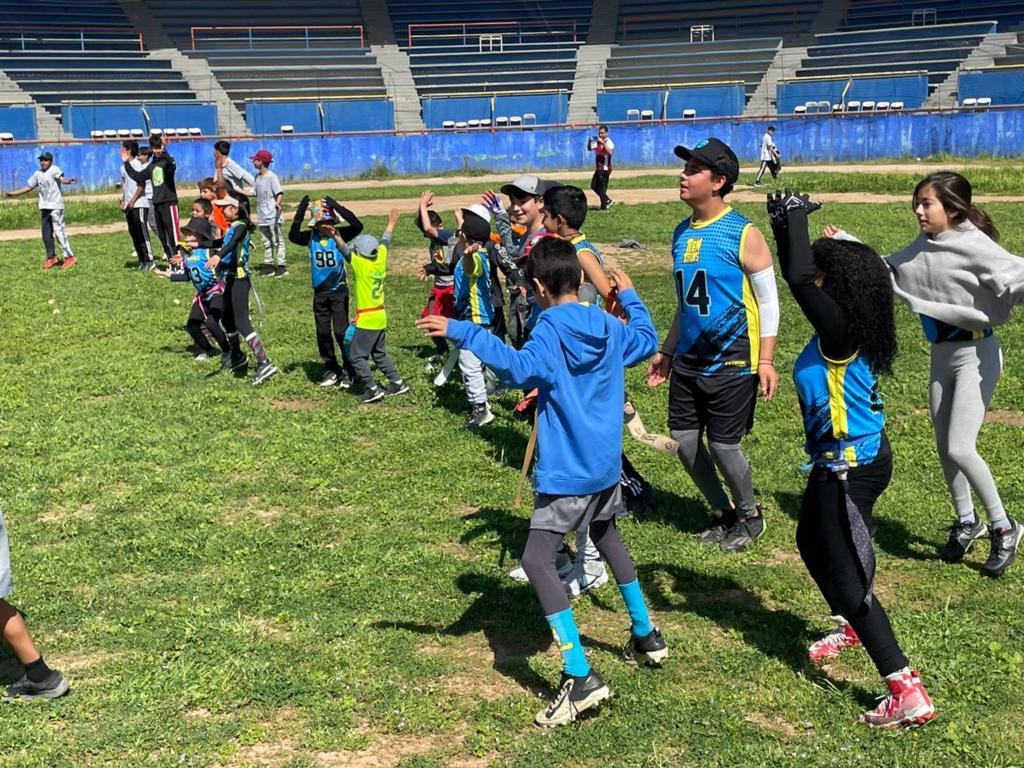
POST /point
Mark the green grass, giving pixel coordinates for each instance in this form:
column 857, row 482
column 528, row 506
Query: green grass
column 278, row 576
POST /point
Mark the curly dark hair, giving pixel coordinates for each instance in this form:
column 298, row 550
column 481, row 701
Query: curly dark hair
column 857, row 279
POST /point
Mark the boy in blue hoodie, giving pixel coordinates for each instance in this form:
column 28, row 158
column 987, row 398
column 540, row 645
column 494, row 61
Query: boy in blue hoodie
column 575, row 359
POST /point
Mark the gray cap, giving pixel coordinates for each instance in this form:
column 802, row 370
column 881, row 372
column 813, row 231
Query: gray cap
column 365, row 245
column 528, row 184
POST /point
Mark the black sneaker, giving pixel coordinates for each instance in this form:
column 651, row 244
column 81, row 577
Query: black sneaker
column 330, row 379
column 233, row 361
column 575, row 696
column 724, row 520
column 147, row 266
column 263, row 372
column 647, row 651
column 744, row 532
column 961, row 537
column 372, row 395
column 396, row 388
column 53, row 687
column 265, row 270
column 1004, row 548
column 280, row 270
column 479, row 416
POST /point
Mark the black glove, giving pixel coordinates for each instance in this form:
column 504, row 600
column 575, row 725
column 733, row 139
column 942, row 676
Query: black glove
column 781, row 203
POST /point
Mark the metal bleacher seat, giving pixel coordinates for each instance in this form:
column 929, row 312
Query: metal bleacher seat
column 515, row 121
column 800, row 109
column 632, row 114
column 867, row 106
column 287, row 129
column 689, row 114
column 501, row 121
column 448, row 125
column 882, row 106
column 853, row 106
column 824, row 106
column 646, row 114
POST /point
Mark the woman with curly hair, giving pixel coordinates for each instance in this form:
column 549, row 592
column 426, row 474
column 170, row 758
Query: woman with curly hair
column 845, row 292
column 961, row 283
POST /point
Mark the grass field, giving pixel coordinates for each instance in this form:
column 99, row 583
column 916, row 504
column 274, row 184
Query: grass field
column 278, row 576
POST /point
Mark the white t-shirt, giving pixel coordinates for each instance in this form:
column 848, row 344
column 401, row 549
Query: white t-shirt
column 48, row 182
column 766, row 147
column 129, row 186
column 267, row 187
column 237, row 176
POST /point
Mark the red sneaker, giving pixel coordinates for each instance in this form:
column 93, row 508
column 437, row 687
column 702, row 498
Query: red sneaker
column 834, row 643
column 70, row 261
column 51, row 263
column 907, row 704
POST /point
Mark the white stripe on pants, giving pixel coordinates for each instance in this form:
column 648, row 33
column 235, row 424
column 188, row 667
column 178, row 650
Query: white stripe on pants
column 273, row 242
column 60, row 233
column 473, row 377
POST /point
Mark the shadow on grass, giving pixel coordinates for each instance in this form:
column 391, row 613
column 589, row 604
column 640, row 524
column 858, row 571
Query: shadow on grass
column 511, row 529
column 687, row 514
column 314, row 370
column 500, row 613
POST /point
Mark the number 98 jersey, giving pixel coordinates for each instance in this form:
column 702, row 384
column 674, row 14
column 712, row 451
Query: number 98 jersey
column 719, row 329
column 327, row 264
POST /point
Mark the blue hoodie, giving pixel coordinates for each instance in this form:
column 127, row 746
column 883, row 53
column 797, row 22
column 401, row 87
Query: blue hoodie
column 575, row 358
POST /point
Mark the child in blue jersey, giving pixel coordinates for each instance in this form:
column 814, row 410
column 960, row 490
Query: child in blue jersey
column 473, row 304
column 208, row 303
column 575, row 357
column 845, row 292
column 330, row 289
column 231, row 261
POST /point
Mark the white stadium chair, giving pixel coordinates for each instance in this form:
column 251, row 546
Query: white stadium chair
column 632, row 114
column 896, row 105
column 109, row 133
column 515, row 121
column 882, row 106
column 529, row 118
column 969, row 103
column 824, row 106
column 96, row 134
column 837, row 108
column 985, row 101
column 5, row 136
column 689, row 114
column 647, row 114
column 123, row 133
column 810, row 107
column 501, row 121
column 138, row 133
column 182, row 131
column 800, row 109
column 195, row 131
column 474, row 123
column 485, row 123
column 853, row 106
column 156, row 131
column 868, row 106
column 287, row 129
column 448, row 125
column 170, row 132
column 461, row 125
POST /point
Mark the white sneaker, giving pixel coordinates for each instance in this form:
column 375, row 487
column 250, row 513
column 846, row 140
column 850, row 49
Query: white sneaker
column 563, row 564
column 586, row 576
column 202, row 357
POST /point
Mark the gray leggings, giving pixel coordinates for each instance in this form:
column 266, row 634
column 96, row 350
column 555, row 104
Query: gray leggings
column 964, row 375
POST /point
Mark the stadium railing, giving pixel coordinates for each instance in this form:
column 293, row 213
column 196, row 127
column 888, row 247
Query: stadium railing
column 301, row 33
column 14, row 37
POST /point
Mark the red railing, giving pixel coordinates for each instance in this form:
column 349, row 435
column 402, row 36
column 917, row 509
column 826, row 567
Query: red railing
column 72, row 32
column 304, row 29
column 551, row 25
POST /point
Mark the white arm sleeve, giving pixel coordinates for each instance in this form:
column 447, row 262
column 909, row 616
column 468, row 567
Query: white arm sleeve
column 767, row 294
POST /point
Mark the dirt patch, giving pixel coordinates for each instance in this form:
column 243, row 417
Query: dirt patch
column 269, row 628
column 475, row 660
column 67, row 512
column 79, row 664
column 785, row 556
column 1011, row 418
column 252, row 508
column 466, row 511
column 295, row 405
column 456, row 551
column 776, row 725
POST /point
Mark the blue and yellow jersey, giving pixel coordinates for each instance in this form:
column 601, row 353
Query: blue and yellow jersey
column 841, row 406
column 588, row 293
column 195, row 265
column 938, row 332
column 236, row 258
column 327, row 264
column 719, row 325
column 473, row 290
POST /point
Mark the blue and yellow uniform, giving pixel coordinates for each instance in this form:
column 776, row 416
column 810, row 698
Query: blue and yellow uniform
column 842, row 409
column 588, row 293
column 938, row 332
column 719, row 328
column 327, row 264
column 234, row 255
column 473, row 290
column 204, row 280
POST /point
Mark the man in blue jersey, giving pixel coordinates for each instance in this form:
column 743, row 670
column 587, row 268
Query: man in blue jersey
column 721, row 347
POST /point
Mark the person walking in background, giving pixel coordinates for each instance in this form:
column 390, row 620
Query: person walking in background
column 602, row 147
column 47, row 181
column 269, row 195
column 771, row 160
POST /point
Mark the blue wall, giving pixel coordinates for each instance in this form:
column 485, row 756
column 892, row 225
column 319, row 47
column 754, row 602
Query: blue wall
column 19, row 120
column 912, row 90
column 436, row 111
column 358, row 115
column 846, row 139
column 305, row 116
column 612, row 105
column 82, row 119
column 708, row 100
column 1003, row 87
column 550, row 108
column 269, row 116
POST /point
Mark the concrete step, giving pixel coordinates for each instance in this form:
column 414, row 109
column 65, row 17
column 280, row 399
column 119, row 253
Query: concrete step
column 204, row 84
column 784, row 65
column 48, row 127
column 591, row 61
column 991, row 47
column 401, row 88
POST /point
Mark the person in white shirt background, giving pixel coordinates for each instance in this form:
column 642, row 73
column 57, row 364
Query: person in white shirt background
column 771, row 160
column 47, row 181
column 269, row 194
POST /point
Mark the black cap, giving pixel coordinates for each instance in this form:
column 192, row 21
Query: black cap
column 46, row 156
column 715, row 154
column 201, row 228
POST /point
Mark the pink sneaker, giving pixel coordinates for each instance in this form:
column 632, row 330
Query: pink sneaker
column 834, row 643
column 907, row 704
column 51, row 263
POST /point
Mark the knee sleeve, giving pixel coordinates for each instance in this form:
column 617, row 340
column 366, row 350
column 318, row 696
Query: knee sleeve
column 689, row 444
column 736, row 470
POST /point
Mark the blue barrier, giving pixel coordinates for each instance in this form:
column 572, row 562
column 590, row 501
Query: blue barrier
column 613, row 105
column 708, row 100
column 201, row 116
column 358, row 115
column 550, row 108
column 852, row 138
column 269, row 116
column 1002, row 86
column 437, row 110
column 19, row 119
column 912, row 90
column 81, row 119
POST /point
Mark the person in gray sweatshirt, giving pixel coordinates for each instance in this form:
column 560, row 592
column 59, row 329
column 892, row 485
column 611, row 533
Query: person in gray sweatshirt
column 962, row 284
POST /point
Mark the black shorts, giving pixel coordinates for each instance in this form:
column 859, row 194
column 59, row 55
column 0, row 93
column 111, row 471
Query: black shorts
column 721, row 405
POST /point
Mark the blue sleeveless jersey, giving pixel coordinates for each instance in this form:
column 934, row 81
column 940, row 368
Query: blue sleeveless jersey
column 327, row 265
column 236, row 261
column 588, row 293
column 719, row 325
column 195, row 265
column 938, row 332
column 841, row 406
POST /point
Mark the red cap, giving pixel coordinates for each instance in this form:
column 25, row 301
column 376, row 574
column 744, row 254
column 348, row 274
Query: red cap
column 264, row 156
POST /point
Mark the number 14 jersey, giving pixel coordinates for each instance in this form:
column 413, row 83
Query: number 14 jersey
column 719, row 328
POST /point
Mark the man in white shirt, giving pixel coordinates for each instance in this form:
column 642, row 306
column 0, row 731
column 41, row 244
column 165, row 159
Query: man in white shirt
column 47, row 181
column 135, row 205
column 770, row 158
column 602, row 147
column 269, row 194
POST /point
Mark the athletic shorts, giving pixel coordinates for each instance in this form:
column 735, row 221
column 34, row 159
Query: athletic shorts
column 721, row 405
column 563, row 514
column 441, row 302
column 6, row 585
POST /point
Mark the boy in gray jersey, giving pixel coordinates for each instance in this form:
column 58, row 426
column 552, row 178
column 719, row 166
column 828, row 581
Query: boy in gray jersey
column 269, row 194
column 47, row 181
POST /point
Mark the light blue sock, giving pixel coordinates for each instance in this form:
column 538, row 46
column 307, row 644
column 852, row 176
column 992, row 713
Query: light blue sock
column 637, row 608
column 563, row 627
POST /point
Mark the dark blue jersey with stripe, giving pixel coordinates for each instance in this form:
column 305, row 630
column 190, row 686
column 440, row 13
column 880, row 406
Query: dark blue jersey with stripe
column 327, row 264
column 195, row 265
column 234, row 254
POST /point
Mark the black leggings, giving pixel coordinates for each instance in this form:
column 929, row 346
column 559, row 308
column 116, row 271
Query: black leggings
column 166, row 215
column 826, row 546
column 206, row 313
column 539, row 562
column 236, row 306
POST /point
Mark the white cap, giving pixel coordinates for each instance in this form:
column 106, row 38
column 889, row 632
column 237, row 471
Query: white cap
column 480, row 211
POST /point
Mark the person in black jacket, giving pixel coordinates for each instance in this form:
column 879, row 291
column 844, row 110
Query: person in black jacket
column 160, row 173
column 330, row 289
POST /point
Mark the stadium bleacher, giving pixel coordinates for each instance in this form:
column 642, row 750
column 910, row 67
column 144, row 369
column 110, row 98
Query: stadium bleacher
column 873, row 14
column 669, row 19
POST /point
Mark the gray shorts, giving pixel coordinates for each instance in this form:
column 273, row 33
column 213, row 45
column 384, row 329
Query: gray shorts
column 563, row 514
column 6, row 586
